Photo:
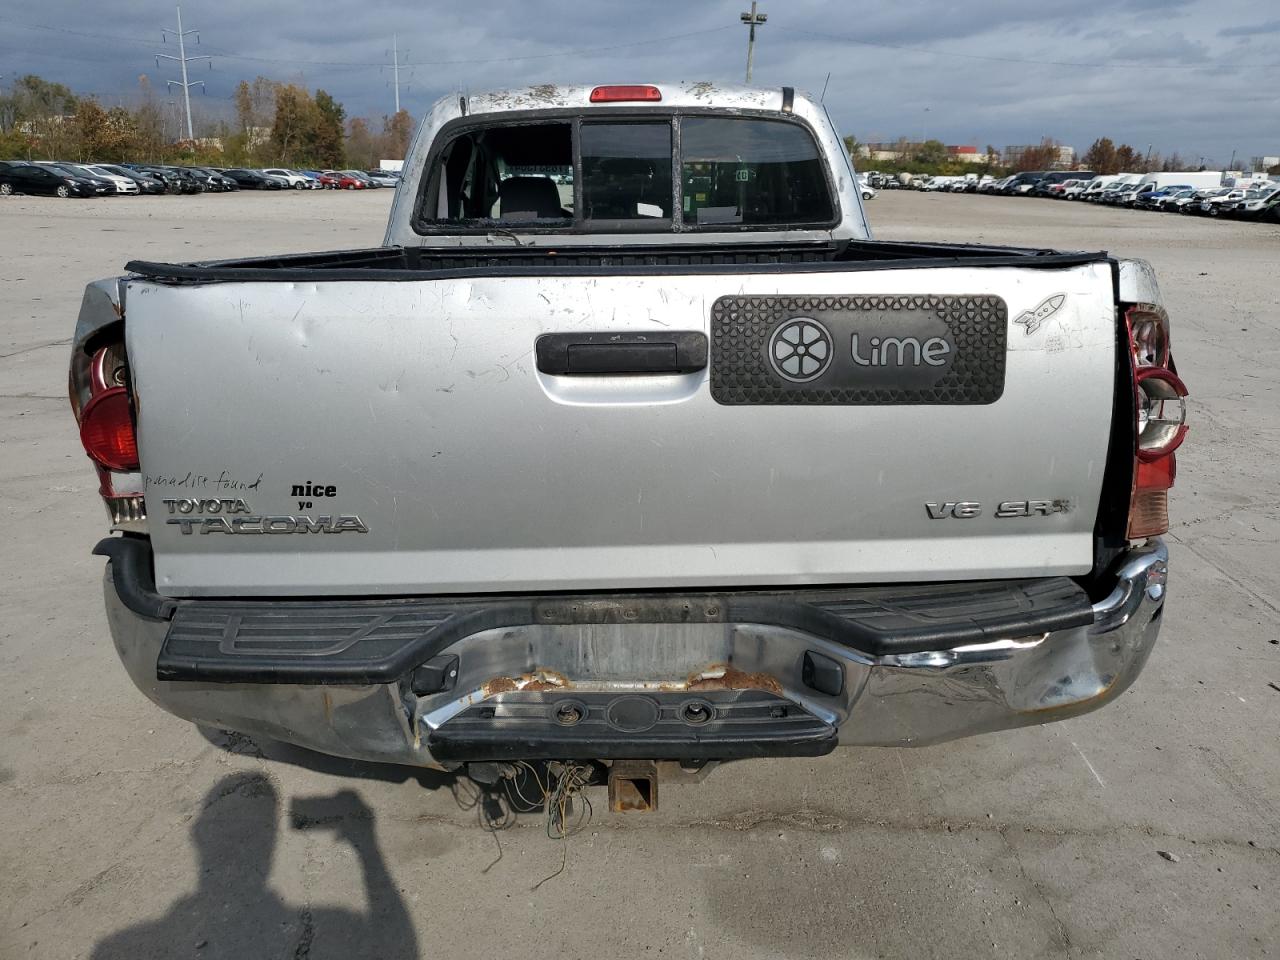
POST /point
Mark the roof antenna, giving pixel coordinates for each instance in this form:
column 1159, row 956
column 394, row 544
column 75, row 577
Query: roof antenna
column 824, row 87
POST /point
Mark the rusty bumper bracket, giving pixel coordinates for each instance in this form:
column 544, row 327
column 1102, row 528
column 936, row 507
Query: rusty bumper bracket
column 679, row 725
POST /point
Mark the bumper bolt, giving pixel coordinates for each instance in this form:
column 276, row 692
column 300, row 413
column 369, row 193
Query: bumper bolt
column 568, row 714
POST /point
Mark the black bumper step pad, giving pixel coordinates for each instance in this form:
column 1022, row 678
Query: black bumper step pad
column 571, row 725
column 379, row 641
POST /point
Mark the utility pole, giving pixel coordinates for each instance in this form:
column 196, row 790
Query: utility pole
column 395, row 68
column 1232, row 164
column 752, row 20
column 183, row 59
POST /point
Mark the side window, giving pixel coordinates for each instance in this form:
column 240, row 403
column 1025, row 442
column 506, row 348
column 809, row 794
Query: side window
column 741, row 171
column 626, row 171
column 517, row 174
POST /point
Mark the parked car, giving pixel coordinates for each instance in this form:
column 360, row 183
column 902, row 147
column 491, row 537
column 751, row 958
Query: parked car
column 1076, row 190
column 1171, row 200
column 33, row 180
column 147, row 184
column 175, row 179
column 444, row 586
column 253, row 180
column 292, row 179
column 213, row 181
column 1262, row 204
column 1212, row 204
column 329, row 179
column 348, row 180
column 1109, row 186
column 363, row 178
column 383, row 178
column 1015, row 185
column 102, row 186
column 1151, row 199
column 1191, row 204
column 1057, row 177
column 122, row 184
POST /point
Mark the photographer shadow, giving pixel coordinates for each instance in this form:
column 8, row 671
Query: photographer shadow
column 233, row 914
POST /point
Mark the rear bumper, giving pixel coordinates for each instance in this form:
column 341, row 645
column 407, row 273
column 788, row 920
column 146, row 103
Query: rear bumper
column 759, row 685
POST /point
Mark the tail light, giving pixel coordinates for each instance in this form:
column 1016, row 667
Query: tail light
column 106, row 430
column 619, row 93
column 1161, row 413
column 102, row 400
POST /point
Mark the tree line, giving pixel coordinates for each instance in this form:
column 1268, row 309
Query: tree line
column 931, row 157
column 274, row 124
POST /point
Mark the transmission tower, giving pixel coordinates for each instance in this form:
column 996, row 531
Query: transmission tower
column 395, row 69
column 183, row 60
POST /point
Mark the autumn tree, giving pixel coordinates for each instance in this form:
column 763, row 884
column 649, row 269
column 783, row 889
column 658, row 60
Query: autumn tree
column 360, row 146
column 40, row 110
column 255, row 112
column 1128, row 160
column 1101, row 157
column 326, row 141
column 293, row 123
column 148, row 124
column 397, row 131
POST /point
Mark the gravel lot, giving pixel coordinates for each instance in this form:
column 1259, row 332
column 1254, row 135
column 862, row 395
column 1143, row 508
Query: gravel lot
column 128, row 833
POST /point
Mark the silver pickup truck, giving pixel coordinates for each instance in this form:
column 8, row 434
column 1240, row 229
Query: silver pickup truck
column 630, row 445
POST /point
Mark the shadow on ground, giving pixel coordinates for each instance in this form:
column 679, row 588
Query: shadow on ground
column 235, row 915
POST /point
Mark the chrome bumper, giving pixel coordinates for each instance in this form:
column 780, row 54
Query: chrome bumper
column 901, row 700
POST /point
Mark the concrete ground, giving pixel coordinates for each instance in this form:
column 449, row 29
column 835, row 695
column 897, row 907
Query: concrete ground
column 128, row 833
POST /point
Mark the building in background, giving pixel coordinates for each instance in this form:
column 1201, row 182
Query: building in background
column 903, row 150
column 1065, row 160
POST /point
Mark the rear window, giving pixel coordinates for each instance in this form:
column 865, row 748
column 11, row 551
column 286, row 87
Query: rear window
column 628, row 174
column 626, row 171
column 751, row 172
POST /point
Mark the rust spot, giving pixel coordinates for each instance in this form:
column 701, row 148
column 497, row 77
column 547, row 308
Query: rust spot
column 327, row 701
column 543, row 679
column 497, row 685
column 723, row 677
column 542, row 685
column 536, row 680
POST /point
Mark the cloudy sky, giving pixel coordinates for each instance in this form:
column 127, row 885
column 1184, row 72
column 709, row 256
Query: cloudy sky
column 1196, row 76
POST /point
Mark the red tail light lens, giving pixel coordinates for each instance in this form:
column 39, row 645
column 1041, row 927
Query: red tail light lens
column 620, row 93
column 1160, row 401
column 106, row 430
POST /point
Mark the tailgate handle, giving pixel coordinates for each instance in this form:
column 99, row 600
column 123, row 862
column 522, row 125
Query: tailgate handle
column 611, row 354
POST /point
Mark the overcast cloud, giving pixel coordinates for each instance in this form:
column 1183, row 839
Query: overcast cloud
column 1197, row 76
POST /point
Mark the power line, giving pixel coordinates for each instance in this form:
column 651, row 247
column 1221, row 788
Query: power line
column 1104, row 65
column 183, row 60
column 230, row 55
